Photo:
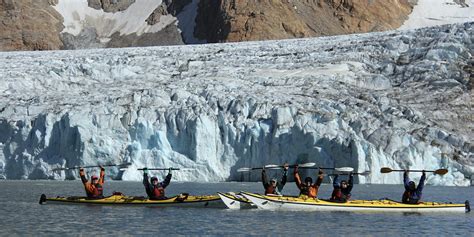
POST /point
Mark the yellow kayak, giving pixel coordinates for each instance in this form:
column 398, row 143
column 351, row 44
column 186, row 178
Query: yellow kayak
column 384, row 205
column 182, row 200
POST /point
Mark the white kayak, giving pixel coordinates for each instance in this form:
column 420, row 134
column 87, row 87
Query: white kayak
column 235, row 201
column 305, row 203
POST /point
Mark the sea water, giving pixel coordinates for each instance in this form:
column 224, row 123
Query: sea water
column 20, row 213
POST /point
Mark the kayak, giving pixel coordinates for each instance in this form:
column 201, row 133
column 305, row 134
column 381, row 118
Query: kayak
column 305, row 203
column 182, row 200
column 235, row 201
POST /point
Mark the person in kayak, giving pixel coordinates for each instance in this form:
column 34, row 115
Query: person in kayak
column 94, row 188
column 412, row 194
column 274, row 187
column 308, row 188
column 342, row 191
column 154, row 189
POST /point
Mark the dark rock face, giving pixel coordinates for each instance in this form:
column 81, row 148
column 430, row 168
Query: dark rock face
column 167, row 36
column 235, row 20
column 110, row 5
column 174, row 7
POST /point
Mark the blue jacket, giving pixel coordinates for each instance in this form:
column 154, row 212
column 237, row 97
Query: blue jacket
column 412, row 197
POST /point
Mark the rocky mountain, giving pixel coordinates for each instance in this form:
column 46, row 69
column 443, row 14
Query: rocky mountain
column 29, row 25
column 402, row 99
column 230, row 20
column 78, row 24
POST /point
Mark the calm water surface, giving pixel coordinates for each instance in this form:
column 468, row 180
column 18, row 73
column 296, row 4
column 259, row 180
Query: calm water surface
column 20, row 213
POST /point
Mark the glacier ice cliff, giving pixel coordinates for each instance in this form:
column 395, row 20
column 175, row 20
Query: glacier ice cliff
column 401, row 99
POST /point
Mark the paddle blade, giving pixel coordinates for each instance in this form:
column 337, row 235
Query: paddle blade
column 272, row 166
column 365, row 173
column 344, row 169
column 441, row 171
column 385, row 170
column 244, row 170
column 306, row 165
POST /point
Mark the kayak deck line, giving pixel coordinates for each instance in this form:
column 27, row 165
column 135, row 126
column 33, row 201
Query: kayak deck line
column 288, row 203
column 233, row 197
column 203, row 200
column 232, row 201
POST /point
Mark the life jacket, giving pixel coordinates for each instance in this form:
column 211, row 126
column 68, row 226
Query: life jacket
column 270, row 190
column 310, row 191
column 338, row 195
column 96, row 191
column 158, row 192
column 411, row 198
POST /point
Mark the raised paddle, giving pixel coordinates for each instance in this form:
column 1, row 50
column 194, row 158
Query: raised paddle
column 171, row 168
column 305, row 165
column 340, row 169
column 385, row 170
column 365, row 173
column 92, row 166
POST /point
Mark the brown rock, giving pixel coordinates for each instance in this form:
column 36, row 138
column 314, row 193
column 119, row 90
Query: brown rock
column 241, row 20
column 29, row 25
column 156, row 15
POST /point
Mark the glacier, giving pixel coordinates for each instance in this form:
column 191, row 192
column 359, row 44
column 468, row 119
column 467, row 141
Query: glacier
column 401, row 99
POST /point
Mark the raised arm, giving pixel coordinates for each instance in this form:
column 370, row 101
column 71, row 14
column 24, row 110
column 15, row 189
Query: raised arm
column 146, row 181
column 320, row 178
column 167, row 180
column 335, row 182
column 406, row 180
column 421, row 185
column 351, row 182
column 83, row 176
column 284, row 177
column 264, row 178
column 102, row 175
column 297, row 178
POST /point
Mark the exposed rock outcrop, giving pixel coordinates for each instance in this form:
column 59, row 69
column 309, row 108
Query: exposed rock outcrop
column 110, row 5
column 29, row 25
column 238, row 20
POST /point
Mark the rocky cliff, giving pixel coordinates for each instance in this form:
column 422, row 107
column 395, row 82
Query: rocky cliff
column 241, row 20
column 61, row 24
column 29, row 25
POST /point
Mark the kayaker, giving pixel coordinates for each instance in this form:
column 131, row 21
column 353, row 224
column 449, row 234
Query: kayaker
column 308, row 188
column 94, row 188
column 154, row 189
column 274, row 187
column 412, row 194
column 342, row 191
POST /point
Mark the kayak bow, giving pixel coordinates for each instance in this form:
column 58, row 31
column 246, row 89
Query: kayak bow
column 235, row 201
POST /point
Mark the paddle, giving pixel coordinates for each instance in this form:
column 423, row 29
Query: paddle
column 305, row 165
column 340, row 169
column 92, row 166
column 171, row 168
column 365, row 173
column 384, row 170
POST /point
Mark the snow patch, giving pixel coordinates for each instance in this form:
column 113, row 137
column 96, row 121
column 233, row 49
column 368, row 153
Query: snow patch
column 438, row 12
column 78, row 15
